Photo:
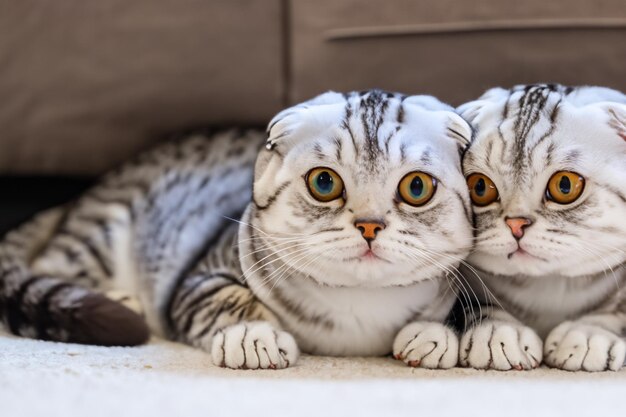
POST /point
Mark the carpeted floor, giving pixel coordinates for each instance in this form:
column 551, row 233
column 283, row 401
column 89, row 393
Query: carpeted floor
column 167, row 379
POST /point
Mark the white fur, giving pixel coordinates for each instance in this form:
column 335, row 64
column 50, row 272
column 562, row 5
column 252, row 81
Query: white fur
column 254, row 345
column 500, row 345
column 577, row 346
column 429, row 345
column 552, row 282
column 602, row 154
column 324, row 273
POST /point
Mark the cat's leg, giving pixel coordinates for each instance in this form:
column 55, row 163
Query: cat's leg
column 425, row 342
column 591, row 343
column 427, row 345
column 93, row 248
column 494, row 339
column 49, row 272
column 212, row 310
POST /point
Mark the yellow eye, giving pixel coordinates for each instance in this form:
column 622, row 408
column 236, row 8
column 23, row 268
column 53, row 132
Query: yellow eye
column 482, row 190
column 417, row 188
column 324, row 184
column 565, row 187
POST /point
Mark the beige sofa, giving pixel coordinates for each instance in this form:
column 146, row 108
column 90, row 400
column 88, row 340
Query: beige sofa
column 84, row 84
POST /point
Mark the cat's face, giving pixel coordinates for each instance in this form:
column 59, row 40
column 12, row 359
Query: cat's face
column 364, row 189
column 547, row 177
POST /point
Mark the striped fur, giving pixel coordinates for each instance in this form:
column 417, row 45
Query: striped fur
column 567, row 285
column 164, row 230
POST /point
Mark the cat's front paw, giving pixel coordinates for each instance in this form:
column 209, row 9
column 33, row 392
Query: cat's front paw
column 253, row 345
column 577, row 346
column 427, row 345
column 500, row 345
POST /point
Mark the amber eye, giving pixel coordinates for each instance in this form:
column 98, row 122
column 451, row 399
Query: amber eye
column 417, row 188
column 324, row 184
column 565, row 187
column 482, row 190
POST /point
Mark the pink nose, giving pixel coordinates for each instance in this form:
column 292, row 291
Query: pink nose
column 517, row 225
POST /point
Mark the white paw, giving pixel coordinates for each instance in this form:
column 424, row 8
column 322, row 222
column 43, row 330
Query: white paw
column 253, row 345
column 577, row 346
column 427, row 345
column 500, row 345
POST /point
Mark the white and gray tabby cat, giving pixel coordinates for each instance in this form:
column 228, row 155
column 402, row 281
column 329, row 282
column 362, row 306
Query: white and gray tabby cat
column 547, row 177
column 351, row 221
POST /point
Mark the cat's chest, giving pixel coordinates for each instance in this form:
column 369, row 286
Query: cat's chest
column 543, row 303
column 350, row 321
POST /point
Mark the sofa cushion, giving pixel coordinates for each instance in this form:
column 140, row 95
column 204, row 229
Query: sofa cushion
column 452, row 48
column 84, row 84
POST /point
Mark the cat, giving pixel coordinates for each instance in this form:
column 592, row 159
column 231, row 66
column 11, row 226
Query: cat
column 338, row 237
column 547, row 176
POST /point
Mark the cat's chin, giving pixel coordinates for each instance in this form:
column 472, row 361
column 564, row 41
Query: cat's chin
column 369, row 274
column 524, row 264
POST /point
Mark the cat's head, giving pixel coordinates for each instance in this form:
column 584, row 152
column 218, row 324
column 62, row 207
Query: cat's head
column 547, row 176
column 364, row 189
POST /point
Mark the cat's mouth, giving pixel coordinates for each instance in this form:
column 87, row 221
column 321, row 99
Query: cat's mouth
column 522, row 254
column 368, row 256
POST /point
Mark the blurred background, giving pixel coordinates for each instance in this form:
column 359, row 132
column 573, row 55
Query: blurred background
column 84, row 84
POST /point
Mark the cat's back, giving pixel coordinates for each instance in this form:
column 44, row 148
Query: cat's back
column 164, row 207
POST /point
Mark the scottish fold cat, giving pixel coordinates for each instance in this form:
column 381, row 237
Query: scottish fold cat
column 547, row 177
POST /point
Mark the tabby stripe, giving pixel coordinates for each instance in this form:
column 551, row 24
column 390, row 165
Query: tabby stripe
column 190, row 312
column 211, row 242
column 204, row 293
column 215, row 315
column 272, row 198
column 550, row 131
column 102, row 225
column 457, row 136
column 466, row 209
column 43, row 316
column 107, row 201
column 91, row 249
column 212, row 309
column 15, row 302
column 347, row 127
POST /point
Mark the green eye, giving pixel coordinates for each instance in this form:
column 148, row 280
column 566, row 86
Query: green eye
column 417, row 188
column 324, row 184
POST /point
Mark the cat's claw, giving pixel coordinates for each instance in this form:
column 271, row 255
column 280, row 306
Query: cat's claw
column 426, row 345
column 577, row 346
column 253, row 345
column 500, row 345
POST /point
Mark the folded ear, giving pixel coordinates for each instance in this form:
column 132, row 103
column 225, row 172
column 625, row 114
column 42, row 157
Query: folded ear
column 460, row 131
column 616, row 113
column 284, row 124
column 286, row 129
column 427, row 102
column 456, row 128
column 611, row 104
column 472, row 110
column 585, row 95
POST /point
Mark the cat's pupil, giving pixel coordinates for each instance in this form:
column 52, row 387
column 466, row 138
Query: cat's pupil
column 324, row 182
column 565, row 185
column 480, row 187
column 417, row 186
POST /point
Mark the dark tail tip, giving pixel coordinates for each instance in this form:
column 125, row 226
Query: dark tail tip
column 98, row 320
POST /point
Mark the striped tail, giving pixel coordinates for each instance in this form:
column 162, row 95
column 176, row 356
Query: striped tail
column 49, row 308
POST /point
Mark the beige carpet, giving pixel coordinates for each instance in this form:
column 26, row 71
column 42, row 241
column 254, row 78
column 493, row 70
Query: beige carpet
column 167, row 379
